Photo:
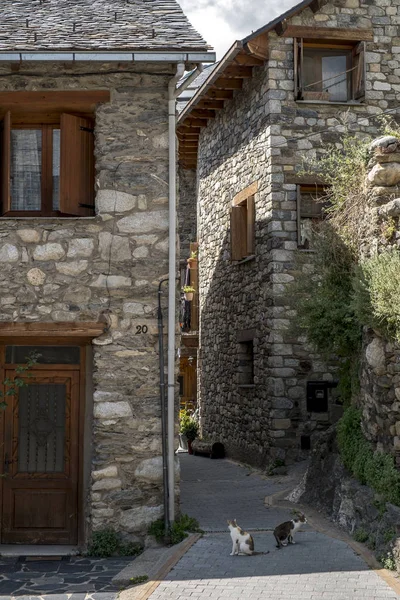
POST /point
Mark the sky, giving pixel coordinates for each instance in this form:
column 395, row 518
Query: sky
column 221, row 22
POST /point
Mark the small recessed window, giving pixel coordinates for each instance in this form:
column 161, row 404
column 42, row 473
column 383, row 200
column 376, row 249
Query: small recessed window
column 329, row 71
column 243, row 224
column 246, row 363
column 305, row 442
column 317, row 396
column 311, row 208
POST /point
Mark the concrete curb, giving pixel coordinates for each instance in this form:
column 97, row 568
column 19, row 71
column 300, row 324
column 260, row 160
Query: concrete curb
column 156, row 563
column 322, row 525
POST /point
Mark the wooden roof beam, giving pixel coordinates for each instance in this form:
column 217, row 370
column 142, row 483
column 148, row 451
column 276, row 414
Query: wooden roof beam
column 210, row 104
column 238, row 71
column 329, row 33
column 217, row 94
column 190, row 122
column 203, row 113
column 258, row 46
column 247, row 60
column 225, row 83
column 186, row 128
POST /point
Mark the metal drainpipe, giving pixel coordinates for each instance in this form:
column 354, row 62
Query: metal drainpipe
column 172, row 95
column 167, row 523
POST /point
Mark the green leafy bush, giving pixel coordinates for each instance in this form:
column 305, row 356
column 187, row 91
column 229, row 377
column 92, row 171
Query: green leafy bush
column 375, row 469
column 360, row 535
column 388, row 561
column 139, row 579
column 178, row 531
column 188, row 425
column 376, row 297
column 106, row 542
column 323, row 302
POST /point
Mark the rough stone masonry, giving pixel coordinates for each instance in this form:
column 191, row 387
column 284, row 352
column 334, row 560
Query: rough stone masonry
column 265, row 135
column 75, row 269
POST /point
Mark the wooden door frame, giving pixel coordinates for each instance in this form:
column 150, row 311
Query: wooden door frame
column 59, row 341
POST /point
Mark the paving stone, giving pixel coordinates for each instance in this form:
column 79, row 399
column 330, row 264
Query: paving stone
column 53, row 580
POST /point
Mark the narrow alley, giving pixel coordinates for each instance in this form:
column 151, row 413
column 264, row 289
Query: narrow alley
column 316, row 567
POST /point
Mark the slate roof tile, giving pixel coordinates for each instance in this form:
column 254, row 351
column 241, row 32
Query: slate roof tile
column 38, row 25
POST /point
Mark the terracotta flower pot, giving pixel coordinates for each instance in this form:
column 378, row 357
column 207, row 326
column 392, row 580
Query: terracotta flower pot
column 189, row 296
column 190, row 449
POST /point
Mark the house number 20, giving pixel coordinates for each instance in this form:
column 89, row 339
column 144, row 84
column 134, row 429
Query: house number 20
column 141, row 329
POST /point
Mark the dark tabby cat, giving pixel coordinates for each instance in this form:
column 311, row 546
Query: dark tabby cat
column 285, row 531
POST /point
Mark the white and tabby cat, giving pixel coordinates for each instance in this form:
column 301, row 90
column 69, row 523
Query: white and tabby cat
column 285, row 531
column 242, row 542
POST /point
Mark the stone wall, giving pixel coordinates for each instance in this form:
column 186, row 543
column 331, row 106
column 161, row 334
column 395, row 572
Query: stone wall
column 263, row 135
column 76, row 269
column 379, row 395
column 354, row 507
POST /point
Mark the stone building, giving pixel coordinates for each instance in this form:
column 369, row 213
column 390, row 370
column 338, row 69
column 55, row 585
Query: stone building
column 83, row 245
column 274, row 102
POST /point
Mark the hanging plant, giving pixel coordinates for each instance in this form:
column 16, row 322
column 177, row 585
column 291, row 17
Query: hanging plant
column 192, row 260
column 188, row 292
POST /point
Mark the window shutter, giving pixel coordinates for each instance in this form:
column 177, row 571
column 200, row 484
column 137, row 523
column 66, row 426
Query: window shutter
column 238, row 232
column 76, row 166
column 6, row 163
column 359, row 75
column 250, row 225
column 298, row 68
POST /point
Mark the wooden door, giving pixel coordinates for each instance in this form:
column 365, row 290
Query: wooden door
column 41, row 453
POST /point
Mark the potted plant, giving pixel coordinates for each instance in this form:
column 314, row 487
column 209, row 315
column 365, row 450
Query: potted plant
column 189, row 427
column 188, row 291
column 192, row 260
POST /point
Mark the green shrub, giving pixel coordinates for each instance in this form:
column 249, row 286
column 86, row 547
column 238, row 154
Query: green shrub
column 106, row 542
column 360, row 535
column 376, row 297
column 178, row 531
column 388, row 561
column 389, row 534
column 139, row 579
column 375, row 469
column 188, row 425
column 323, row 302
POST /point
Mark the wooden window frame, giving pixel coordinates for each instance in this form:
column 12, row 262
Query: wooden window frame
column 243, row 224
column 356, row 64
column 77, row 177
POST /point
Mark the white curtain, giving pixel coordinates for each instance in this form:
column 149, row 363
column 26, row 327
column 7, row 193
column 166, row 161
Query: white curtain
column 26, row 169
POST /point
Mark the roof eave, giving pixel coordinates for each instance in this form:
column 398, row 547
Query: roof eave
column 174, row 56
column 232, row 52
column 272, row 24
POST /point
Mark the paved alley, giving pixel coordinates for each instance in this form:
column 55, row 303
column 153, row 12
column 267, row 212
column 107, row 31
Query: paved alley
column 316, row 567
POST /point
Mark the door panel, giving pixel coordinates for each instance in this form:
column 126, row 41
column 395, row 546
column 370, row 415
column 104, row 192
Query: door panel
column 40, row 500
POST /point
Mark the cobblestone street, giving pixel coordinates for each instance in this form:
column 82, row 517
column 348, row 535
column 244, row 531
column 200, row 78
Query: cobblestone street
column 70, row 578
column 316, row 567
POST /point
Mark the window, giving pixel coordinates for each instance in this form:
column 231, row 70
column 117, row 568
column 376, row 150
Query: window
column 329, row 71
column 246, row 357
column 310, row 211
column 47, row 169
column 317, row 396
column 243, row 224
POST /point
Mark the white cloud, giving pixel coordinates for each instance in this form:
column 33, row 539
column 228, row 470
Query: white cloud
column 221, row 22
